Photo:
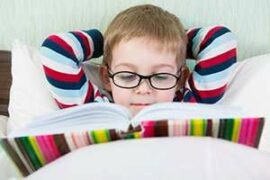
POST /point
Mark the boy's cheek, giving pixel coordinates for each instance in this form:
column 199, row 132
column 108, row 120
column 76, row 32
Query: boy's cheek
column 120, row 96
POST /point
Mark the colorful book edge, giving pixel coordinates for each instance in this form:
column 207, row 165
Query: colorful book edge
column 29, row 153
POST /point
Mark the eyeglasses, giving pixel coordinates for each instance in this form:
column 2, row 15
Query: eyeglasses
column 129, row 80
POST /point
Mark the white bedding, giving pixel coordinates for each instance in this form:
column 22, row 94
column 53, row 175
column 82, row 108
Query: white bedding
column 193, row 158
column 188, row 158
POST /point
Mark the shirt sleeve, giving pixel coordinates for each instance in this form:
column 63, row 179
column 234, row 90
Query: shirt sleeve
column 63, row 55
column 214, row 49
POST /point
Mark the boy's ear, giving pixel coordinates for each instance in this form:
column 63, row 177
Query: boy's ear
column 184, row 77
column 104, row 77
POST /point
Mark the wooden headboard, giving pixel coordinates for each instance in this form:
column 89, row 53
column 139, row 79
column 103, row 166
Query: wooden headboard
column 5, row 81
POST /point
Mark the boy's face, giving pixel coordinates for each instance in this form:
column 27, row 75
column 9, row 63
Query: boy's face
column 144, row 57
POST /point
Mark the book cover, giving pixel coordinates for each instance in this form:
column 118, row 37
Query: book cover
column 51, row 136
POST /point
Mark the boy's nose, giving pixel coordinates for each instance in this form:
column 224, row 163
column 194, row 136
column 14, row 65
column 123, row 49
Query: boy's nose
column 144, row 87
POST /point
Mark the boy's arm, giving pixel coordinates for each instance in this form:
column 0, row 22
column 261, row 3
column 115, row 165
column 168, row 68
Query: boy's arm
column 62, row 64
column 214, row 48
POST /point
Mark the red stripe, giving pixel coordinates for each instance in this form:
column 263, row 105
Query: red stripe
column 63, row 106
column 190, row 96
column 53, row 147
column 192, row 99
column 85, row 44
column 63, row 77
column 89, row 95
column 207, row 93
column 148, row 128
column 97, row 94
column 43, row 148
column 219, row 59
column 179, row 95
column 191, row 33
column 209, row 35
column 63, row 44
column 253, row 132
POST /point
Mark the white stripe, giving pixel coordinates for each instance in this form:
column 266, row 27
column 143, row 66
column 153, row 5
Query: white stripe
column 171, row 125
column 70, row 97
column 215, row 127
column 210, row 85
column 70, row 92
column 226, row 46
column 218, row 41
column 69, row 141
column 71, row 40
column 63, row 68
column 208, row 82
column 50, row 56
column 197, row 40
column 213, row 76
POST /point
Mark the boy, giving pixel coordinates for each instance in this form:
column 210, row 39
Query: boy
column 144, row 61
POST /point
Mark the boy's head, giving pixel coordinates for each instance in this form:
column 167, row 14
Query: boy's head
column 144, row 40
column 146, row 21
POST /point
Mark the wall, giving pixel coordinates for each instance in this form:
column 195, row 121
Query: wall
column 32, row 20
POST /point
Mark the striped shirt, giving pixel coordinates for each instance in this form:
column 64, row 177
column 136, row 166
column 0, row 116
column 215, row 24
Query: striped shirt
column 213, row 48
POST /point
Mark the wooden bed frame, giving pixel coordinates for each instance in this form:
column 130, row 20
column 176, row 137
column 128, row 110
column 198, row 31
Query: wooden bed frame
column 5, row 81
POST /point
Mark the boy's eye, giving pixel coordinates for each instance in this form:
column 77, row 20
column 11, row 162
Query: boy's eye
column 161, row 77
column 126, row 76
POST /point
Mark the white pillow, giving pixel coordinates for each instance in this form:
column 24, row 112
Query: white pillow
column 249, row 88
column 29, row 95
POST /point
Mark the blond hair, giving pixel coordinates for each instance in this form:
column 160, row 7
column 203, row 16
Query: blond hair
column 146, row 21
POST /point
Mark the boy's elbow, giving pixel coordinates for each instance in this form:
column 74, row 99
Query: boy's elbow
column 49, row 42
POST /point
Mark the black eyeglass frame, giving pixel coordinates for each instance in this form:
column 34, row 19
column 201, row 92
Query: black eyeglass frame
column 111, row 75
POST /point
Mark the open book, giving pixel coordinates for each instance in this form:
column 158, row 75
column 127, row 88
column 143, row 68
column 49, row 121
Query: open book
column 51, row 136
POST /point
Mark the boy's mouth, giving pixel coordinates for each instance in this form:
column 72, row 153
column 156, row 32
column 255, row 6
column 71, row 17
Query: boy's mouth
column 140, row 104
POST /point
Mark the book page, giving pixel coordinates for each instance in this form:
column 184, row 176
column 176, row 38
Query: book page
column 176, row 110
column 85, row 117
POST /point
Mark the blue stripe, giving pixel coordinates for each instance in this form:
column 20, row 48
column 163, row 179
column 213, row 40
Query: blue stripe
column 57, row 48
column 216, row 68
column 219, row 41
column 71, row 93
column 67, row 85
column 190, row 44
column 187, row 96
column 211, row 77
column 58, row 58
column 196, row 40
column 97, row 39
column 217, row 34
column 212, row 100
